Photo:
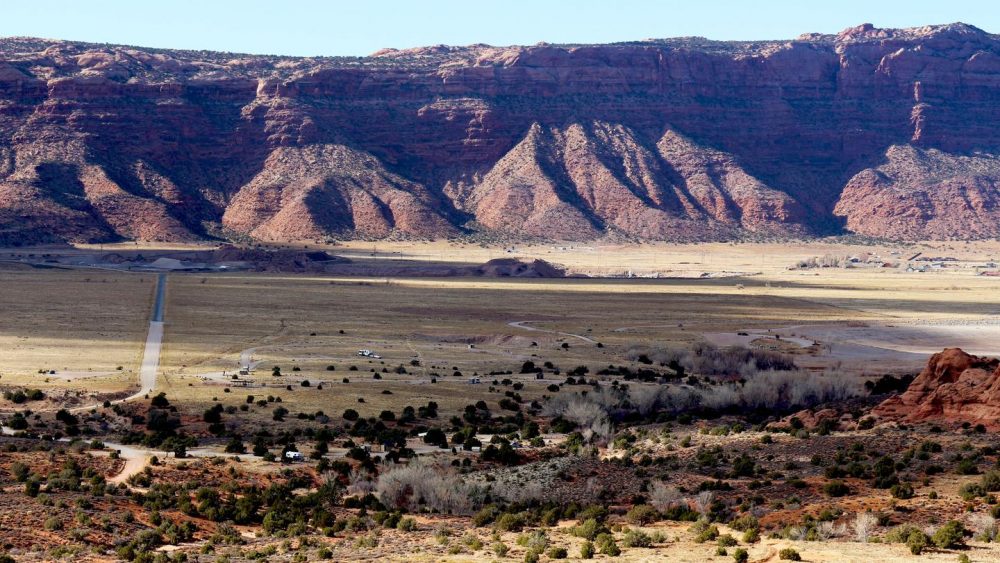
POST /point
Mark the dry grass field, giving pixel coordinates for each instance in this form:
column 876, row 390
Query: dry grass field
column 445, row 325
column 81, row 324
column 86, row 323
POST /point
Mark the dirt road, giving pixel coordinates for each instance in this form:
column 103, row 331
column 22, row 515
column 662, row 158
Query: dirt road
column 524, row 325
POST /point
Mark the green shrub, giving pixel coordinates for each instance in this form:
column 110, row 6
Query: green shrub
column 510, row 522
column 970, row 491
column 557, row 553
column 19, row 471
column 708, row 533
column 636, row 538
column 836, row 488
column 991, row 481
column 789, row 554
column 406, row 525
column 606, row 545
column 902, row 491
column 487, row 515
column 741, row 555
column 500, row 549
column 952, row 534
column 642, row 514
column 595, row 511
column 900, row 533
column 967, row 467
column 535, row 541
column 916, row 541
column 53, row 524
column 727, row 540
column 744, row 523
column 473, row 543
column 751, row 536
column 588, row 529
column 587, row 550
column 368, row 541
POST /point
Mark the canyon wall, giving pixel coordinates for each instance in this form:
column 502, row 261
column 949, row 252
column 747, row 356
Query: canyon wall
column 885, row 133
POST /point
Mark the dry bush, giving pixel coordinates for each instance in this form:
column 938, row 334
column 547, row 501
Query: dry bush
column 526, row 483
column 361, row 482
column 644, row 398
column 830, row 530
column 406, row 486
column 764, row 390
column 984, row 526
column 708, row 359
column 589, row 412
column 583, row 412
column 703, row 502
column 864, row 524
column 663, row 497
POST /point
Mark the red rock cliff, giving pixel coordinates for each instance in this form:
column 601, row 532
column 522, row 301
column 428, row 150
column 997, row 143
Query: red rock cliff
column 882, row 132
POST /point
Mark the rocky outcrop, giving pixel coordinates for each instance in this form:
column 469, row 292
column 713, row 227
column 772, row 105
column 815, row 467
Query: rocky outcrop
column 954, row 386
column 882, row 132
column 515, row 268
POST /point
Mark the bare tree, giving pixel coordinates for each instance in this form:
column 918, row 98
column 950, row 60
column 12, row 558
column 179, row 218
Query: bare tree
column 361, row 482
column 828, row 530
column 644, row 398
column 985, row 527
column 405, row 486
column 703, row 502
column 864, row 524
column 664, row 497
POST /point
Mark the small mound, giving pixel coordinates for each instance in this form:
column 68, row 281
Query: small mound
column 953, row 387
column 514, row 268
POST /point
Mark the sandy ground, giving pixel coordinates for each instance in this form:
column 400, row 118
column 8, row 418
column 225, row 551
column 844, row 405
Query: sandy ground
column 902, row 341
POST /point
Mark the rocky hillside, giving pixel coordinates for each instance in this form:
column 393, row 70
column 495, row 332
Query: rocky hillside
column 954, row 386
column 890, row 133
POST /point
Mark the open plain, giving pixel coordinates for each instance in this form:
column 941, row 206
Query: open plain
column 257, row 363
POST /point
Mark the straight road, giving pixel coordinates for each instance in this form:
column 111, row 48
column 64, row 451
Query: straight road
column 524, row 325
column 154, row 341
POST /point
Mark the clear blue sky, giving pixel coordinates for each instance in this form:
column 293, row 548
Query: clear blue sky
column 359, row 27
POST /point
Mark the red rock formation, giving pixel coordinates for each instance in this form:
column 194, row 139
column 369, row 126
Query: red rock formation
column 321, row 190
column 679, row 139
column 924, row 194
column 955, row 387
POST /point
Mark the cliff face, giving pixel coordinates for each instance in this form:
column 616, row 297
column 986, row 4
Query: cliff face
column 890, row 133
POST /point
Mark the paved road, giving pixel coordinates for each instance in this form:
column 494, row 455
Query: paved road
column 161, row 289
column 154, row 341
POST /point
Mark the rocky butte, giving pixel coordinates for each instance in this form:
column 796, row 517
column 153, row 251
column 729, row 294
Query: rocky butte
column 954, row 386
column 883, row 132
